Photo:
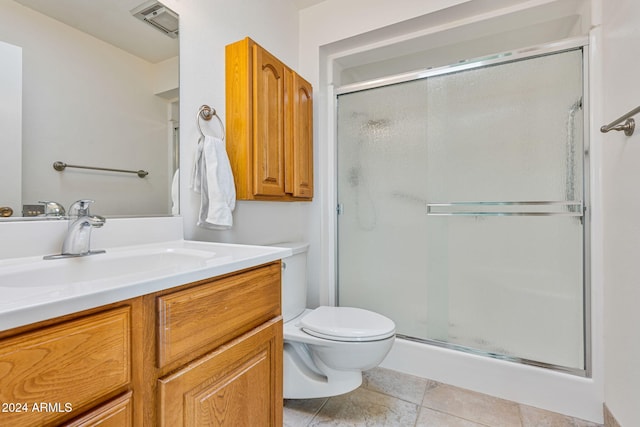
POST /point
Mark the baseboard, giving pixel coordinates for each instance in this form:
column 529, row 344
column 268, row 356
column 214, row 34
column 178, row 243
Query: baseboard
column 609, row 419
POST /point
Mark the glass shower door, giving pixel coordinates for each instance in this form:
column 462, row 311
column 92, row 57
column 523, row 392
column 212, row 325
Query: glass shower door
column 505, row 211
column 382, row 159
column 463, row 201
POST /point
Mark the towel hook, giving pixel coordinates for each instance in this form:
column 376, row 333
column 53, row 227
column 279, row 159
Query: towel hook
column 205, row 112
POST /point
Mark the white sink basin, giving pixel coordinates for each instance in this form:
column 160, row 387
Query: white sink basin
column 103, row 267
column 35, row 285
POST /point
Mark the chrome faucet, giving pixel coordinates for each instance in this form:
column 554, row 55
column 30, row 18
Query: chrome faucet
column 77, row 242
column 78, row 239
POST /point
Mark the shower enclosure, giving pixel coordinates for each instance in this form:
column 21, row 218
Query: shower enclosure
column 462, row 213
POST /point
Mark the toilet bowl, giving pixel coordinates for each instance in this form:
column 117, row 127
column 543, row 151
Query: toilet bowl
column 327, row 348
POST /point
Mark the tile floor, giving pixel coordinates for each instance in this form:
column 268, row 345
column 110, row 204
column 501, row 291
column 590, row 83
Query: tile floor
column 388, row 398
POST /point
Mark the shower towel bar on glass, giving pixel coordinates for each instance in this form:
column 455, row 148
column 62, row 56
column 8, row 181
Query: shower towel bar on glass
column 574, row 208
column 60, row 166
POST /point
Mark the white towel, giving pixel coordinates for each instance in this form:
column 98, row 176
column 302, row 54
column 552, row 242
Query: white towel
column 213, row 179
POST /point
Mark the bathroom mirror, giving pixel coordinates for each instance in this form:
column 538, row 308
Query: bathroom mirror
column 99, row 89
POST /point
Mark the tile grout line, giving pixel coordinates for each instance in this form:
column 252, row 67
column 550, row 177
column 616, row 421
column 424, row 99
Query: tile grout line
column 520, row 413
column 424, row 393
column 315, row 414
column 448, row 414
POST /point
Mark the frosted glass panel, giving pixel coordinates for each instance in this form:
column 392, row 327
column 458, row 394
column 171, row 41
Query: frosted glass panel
column 382, row 170
column 508, row 132
column 487, row 273
column 508, row 285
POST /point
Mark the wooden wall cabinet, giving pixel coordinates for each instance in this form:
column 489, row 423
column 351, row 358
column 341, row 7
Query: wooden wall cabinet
column 207, row 353
column 269, row 114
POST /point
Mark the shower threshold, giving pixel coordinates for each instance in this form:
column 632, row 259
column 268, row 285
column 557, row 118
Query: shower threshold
column 508, row 358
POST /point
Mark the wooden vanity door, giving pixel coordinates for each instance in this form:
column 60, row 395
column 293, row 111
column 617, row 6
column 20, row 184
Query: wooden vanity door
column 268, row 116
column 235, row 385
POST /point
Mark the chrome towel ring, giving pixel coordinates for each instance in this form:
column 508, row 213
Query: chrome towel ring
column 205, row 112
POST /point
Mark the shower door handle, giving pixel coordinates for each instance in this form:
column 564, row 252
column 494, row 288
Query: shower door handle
column 537, row 208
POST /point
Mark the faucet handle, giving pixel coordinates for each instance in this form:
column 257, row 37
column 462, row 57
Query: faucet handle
column 52, row 208
column 80, row 208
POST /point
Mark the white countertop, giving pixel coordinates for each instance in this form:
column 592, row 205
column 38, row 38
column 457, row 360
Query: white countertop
column 33, row 289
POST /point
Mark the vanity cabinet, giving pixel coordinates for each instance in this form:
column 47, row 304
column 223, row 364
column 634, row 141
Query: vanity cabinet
column 269, row 114
column 220, row 352
column 207, row 353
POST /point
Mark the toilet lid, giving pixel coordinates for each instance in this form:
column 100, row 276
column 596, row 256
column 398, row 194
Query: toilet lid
column 347, row 324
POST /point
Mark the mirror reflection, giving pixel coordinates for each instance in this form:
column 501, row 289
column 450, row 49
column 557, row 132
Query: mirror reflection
column 95, row 84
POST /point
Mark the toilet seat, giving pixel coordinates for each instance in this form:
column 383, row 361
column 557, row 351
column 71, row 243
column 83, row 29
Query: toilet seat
column 347, row 324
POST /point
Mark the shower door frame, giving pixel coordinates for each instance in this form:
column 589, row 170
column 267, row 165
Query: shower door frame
column 579, row 43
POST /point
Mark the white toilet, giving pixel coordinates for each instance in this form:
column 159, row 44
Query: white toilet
column 326, row 349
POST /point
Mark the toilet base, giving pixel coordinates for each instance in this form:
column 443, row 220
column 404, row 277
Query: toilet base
column 302, row 382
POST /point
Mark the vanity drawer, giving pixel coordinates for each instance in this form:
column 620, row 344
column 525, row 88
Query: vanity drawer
column 196, row 320
column 115, row 413
column 59, row 370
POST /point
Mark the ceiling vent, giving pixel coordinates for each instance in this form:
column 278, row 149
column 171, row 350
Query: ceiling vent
column 158, row 16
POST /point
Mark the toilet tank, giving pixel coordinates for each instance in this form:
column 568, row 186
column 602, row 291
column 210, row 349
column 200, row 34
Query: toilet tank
column 294, row 279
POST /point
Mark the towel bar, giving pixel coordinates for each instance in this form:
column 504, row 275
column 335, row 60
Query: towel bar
column 574, row 208
column 60, row 166
column 629, row 124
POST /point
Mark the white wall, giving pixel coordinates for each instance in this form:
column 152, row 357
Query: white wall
column 166, row 78
column 88, row 103
column 621, row 175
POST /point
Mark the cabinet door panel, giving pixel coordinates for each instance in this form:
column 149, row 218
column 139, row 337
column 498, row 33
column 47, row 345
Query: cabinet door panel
column 232, row 386
column 268, row 116
column 303, row 138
